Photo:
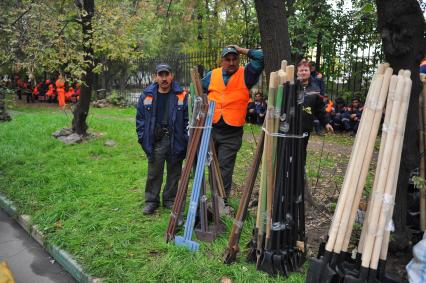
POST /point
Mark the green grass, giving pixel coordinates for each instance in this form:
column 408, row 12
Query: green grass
column 87, row 199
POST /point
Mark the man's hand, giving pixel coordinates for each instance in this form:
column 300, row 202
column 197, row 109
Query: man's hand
column 240, row 50
column 329, row 128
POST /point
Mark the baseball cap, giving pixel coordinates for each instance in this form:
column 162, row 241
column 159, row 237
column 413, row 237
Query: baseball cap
column 163, row 68
column 229, row 50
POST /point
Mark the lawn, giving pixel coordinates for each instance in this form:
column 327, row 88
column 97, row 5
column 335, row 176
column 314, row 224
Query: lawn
column 88, row 199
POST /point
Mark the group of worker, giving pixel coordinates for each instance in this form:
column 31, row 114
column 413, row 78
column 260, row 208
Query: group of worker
column 52, row 91
column 343, row 118
column 162, row 119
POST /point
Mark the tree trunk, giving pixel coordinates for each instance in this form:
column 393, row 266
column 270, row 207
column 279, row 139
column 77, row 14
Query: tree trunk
column 319, row 51
column 273, row 27
column 401, row 25
column 79, row 125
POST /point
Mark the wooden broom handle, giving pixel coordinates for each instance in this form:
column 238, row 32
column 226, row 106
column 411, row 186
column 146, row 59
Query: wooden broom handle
column 336, row 222
column 390, row 189
column 369, row 133
column 368, row 155
column 383, row 173
column 389, row 104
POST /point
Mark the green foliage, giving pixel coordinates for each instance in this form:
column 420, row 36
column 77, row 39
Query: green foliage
column 419, row 182
column 116, row 98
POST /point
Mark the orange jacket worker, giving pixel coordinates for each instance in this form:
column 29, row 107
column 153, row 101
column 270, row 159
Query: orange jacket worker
column 60, row 89
column 229, row 87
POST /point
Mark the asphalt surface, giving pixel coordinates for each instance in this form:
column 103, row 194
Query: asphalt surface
column 27, row 260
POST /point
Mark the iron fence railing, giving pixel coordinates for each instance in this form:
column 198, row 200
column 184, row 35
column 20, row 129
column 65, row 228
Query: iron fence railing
column 347, row 67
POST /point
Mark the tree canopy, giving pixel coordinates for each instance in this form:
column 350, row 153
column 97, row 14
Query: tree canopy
column 45, row 35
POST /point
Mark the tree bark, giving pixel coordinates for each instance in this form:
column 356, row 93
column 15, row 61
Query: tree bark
column 79, row 125
column 319, row 51
column 273, row 27
column 401, row 25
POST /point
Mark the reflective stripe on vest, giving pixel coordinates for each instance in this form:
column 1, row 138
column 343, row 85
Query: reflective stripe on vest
column 231, row 100
column 181, row 97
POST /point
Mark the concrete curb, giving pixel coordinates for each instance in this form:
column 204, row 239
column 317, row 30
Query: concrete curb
column 62, row 257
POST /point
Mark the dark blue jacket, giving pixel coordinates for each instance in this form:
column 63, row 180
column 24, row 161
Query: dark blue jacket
column 178, row 120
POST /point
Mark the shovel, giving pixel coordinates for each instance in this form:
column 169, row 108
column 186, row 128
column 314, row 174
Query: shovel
column 264, row 261
column 234, row 237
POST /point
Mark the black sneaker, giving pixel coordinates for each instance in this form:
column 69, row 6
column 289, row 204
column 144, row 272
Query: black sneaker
column 150, row 208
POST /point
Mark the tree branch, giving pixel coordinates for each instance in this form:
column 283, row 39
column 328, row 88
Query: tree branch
column 23, row 14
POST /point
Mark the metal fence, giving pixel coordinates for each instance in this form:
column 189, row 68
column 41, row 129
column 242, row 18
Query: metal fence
column 347, row 68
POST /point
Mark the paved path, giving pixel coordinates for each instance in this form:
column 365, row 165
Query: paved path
column 27, row 260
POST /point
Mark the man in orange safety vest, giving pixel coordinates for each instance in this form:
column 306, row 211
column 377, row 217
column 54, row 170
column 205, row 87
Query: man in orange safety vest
column 229, row 87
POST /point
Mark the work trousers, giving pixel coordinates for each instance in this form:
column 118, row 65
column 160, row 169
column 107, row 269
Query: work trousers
column 227, row 140
column 161, row 155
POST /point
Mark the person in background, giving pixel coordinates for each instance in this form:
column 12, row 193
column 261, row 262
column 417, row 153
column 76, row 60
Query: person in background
column 76, row 96
column 313, row 104
column 251, row 112
column 337, row 114
column 69, row 94
column 260, row 106
column 27, row 90
column 229, row 86
column 37, row 92
column 352, row 116
column 161, row 126
column 19, row 83
column 60, row 90
column 51, row 92
column 317, row 77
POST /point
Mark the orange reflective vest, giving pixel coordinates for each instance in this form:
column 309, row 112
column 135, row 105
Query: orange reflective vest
column 181, row 97
column 329, row 106
column 231, row 100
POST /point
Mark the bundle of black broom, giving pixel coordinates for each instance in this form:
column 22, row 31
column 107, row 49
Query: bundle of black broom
column 278, row 241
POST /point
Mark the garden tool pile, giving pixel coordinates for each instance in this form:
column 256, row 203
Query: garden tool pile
column 334, row 262
column 200, row 146
column 278, row 239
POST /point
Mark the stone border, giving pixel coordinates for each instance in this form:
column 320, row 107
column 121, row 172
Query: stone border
column 61, row 256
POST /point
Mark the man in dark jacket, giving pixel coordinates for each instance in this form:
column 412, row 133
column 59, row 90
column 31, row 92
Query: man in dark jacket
column 161, row 125
column 313, row 104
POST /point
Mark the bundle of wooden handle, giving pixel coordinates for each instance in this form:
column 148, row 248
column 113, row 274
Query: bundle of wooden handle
column 334, row 263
